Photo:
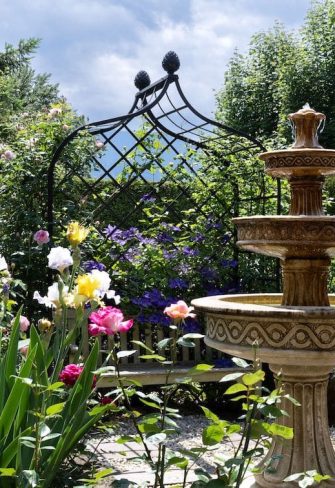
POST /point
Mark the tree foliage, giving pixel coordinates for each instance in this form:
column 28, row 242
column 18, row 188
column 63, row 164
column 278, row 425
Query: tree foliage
column 280, row 73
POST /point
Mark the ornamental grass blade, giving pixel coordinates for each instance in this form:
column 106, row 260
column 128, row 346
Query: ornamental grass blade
column 12, row 351
column 74, row 420
column 12, row 403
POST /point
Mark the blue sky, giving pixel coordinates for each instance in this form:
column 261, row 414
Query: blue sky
column 94, row 48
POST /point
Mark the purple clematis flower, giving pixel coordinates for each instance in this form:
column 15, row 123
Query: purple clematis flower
column 178, row 283
column 91, row 265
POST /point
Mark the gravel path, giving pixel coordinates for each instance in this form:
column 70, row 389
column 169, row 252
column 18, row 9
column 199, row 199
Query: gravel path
column 121, row 457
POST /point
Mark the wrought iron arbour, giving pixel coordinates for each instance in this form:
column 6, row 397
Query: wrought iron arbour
column 163, row 111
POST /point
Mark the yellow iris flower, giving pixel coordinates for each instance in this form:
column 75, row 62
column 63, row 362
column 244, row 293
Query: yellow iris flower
column 88, row 285
column 76, row 233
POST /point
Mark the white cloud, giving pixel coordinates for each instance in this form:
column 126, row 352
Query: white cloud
column 94, row 48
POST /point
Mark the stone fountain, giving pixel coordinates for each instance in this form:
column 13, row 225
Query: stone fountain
column 295, row 330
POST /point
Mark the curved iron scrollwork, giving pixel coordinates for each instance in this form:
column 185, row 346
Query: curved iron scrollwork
column 170, row 116
column 161, row 131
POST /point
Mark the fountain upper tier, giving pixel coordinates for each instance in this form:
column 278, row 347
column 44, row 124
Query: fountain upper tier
column 305, row 239
column 290, row 163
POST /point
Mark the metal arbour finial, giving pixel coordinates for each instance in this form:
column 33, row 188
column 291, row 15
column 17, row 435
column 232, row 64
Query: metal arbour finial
column 171, row 62
column 142, row 80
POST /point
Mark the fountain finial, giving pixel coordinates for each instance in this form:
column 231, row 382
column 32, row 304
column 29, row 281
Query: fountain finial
column 306, row 123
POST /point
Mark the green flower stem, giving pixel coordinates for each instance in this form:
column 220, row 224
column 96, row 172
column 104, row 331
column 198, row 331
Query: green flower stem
column 166, row 399
column 126, row 400
column 38, row 420
column 64, row 322
column 60, row 334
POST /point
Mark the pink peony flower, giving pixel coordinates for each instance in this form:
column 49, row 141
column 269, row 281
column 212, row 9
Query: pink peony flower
column 41, row 237
column 24, row 323
column 70, row 374
column 108, row 320
column 179, row 311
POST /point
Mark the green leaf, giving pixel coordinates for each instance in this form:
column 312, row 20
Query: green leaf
column 193, row 335
column 51, row 436
column 157, row 357
column 231, row 377
column 7, row 472
column 56, row 386
column 213, row 434
column 150, row 404
column 251, row 379
column 55, row 408
column 105, row 369
column 32, row 478
column 238, row 387
column 293, row 477
column 128, row 438
column 292, row 400
column 199, row 369
column 163, row 343
column 11, row 356
column 319, row 477
column 141, row 344
column 103, row 473
column 234, row 462
column 180, row 462
column 281, row 431
column 185, row 342
column 217, row 484
column 157, row 438
column 124, row 354
column 209, row 414
column 240, row 363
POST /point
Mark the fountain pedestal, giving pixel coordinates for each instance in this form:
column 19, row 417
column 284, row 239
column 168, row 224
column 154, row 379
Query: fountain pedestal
column 310, row 447
column 295, row 331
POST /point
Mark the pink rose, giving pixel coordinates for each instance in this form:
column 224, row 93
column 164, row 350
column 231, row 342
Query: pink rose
column 41, row 237
column 24, row 323
column 179, row 311
column 70, row 374
column 108, row 320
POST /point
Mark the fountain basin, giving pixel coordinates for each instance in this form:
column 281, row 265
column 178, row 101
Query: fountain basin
column 299, row 162
column 285, row 335
column 292, row 236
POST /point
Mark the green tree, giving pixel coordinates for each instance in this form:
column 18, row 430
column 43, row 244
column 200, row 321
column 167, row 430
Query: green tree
column 279, row 74
column 34, row 119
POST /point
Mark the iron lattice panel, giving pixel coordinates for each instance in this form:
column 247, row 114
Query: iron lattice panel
column 158, row 153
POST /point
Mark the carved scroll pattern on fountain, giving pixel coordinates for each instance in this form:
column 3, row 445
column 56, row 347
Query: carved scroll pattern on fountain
column 277, row 335
column 286, row 161
column 299, row 231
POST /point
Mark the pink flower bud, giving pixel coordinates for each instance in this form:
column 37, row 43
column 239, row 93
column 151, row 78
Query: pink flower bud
column 24, row 323
column 41, row 237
